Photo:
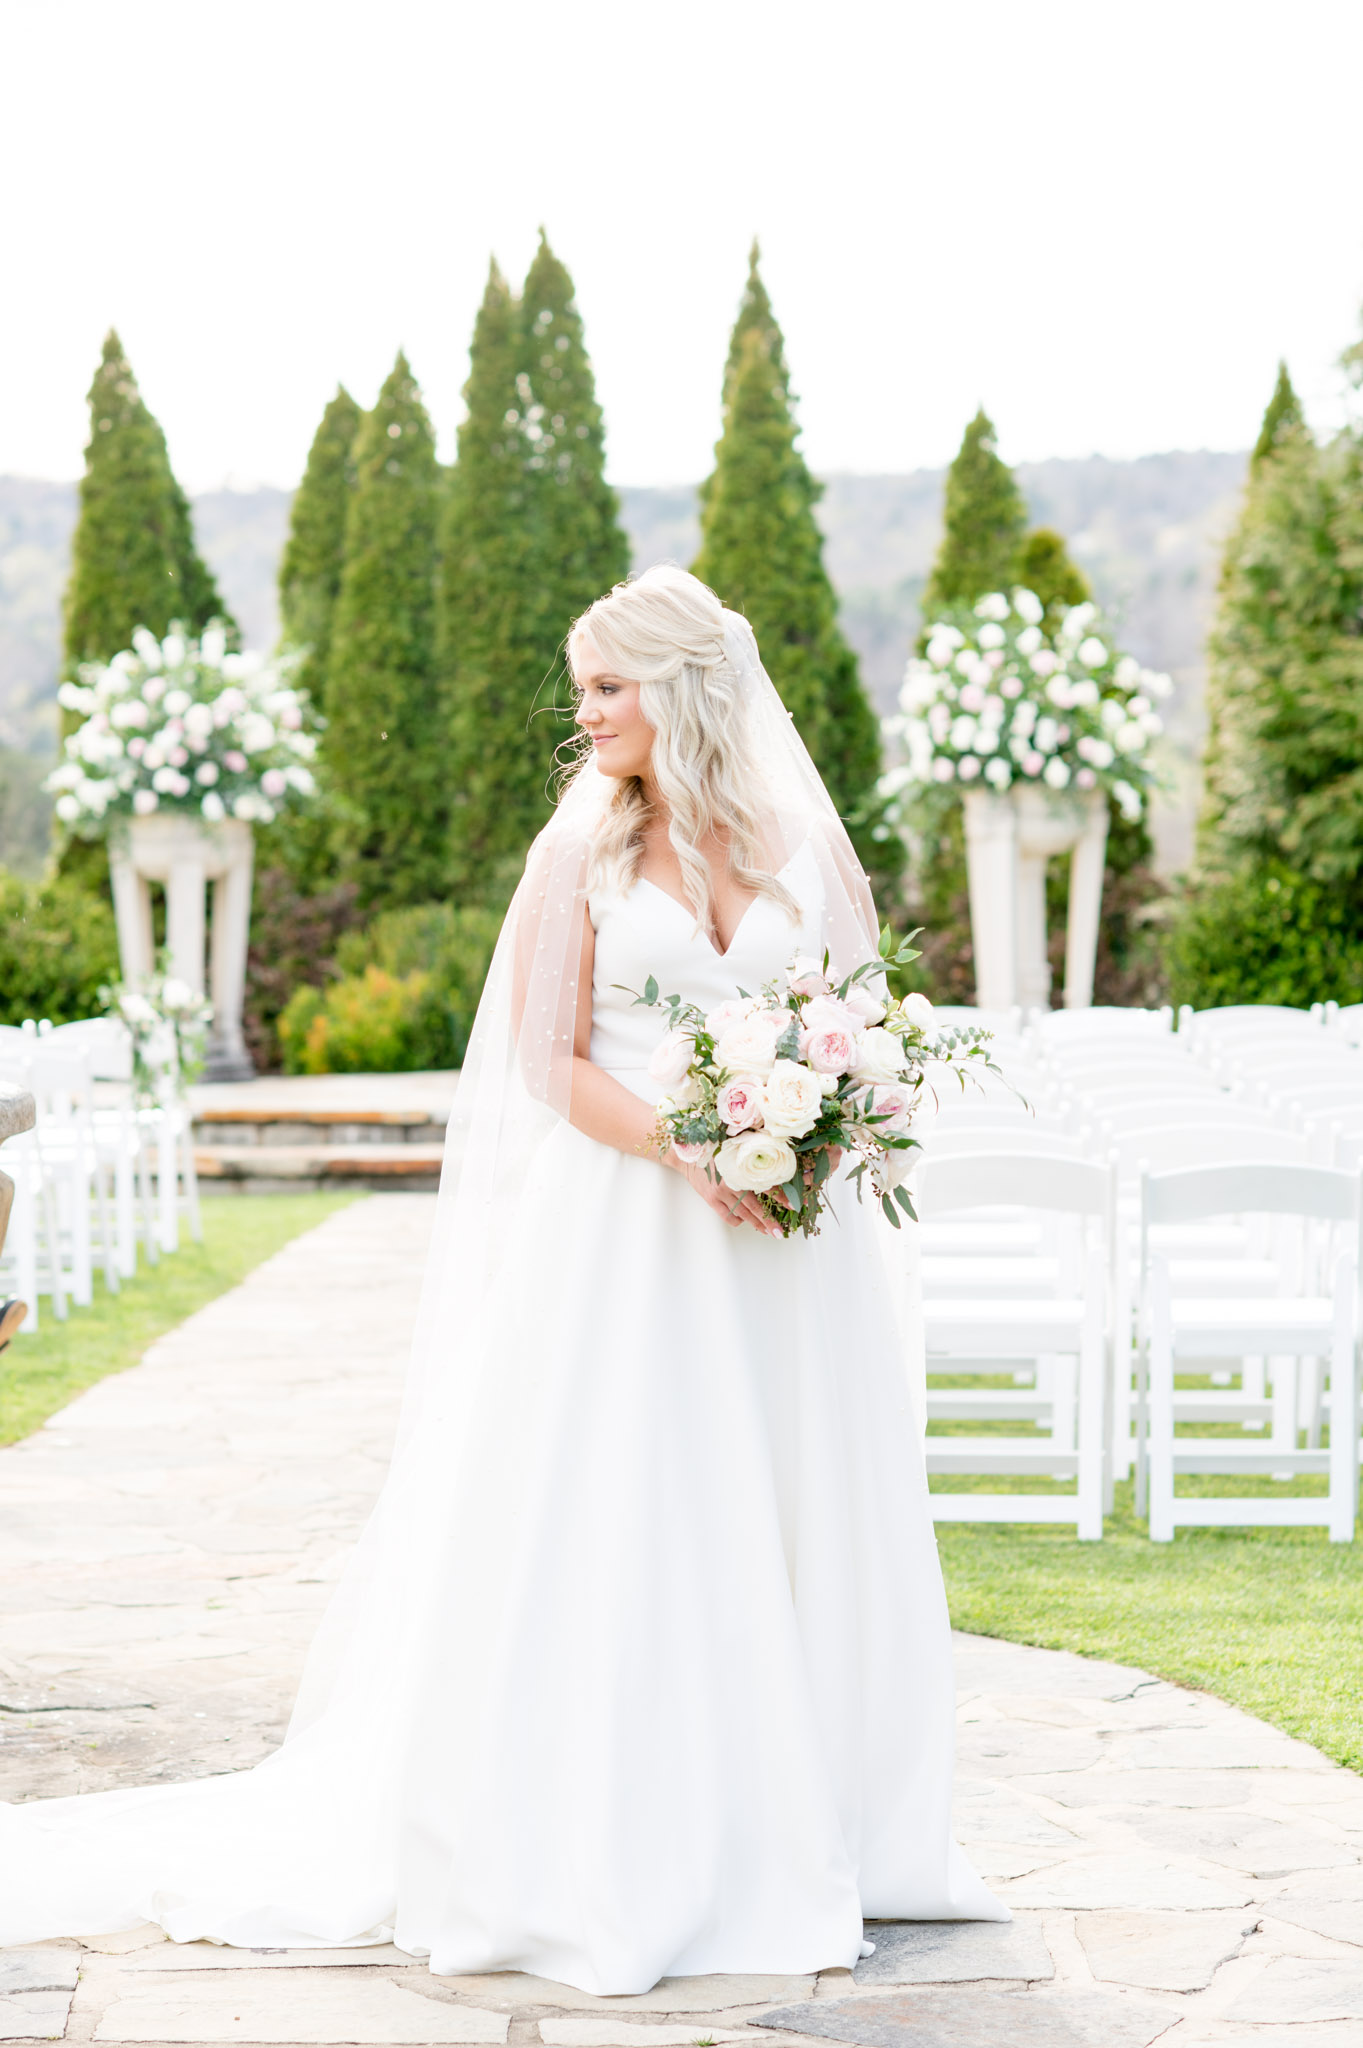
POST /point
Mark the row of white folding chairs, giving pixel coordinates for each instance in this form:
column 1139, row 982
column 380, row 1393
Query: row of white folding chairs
column 164, row 1130
column 83, row 1175
column 1222, row 1261
column 63, row 1221
column 988, row 1329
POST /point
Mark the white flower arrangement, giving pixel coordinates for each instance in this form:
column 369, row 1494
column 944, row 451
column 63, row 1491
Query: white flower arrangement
column 185, row 726
column 997, row 699
column 168, row 1023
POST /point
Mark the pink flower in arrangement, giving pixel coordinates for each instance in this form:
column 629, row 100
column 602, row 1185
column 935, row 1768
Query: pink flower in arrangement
column 671, row 1059
column 740, row 1105
column 693, row 1155
column 235, row 760
column 828, row 1052
column 274, row 783
column 894, row 1102
column 826, row 1013
column 807, row 979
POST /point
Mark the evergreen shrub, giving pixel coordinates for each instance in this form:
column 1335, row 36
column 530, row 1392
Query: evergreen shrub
column 1266, row 933
column 58, row 947
column 405, row 1002
column 371, row 1023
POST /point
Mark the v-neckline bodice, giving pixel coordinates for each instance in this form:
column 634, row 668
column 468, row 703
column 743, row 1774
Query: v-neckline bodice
column 685, row 911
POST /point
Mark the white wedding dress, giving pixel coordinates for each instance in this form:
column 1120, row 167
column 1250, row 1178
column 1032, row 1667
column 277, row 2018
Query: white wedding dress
column 644, row 1668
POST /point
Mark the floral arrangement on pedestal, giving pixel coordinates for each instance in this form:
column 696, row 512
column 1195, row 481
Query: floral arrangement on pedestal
column 997, row 698
column 186, row 726
column 167, row 1022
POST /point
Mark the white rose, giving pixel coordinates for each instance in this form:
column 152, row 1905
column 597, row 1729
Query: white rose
column 943, row 769
column 145, row 802
column 880, row 1057
column 994, row 606
column 755, row 1162
column 1092, row 652
column 864, row 1004
column 1056, row 774
column 213, row 645
column 213, row 807
column 998, row 773
column 177, row 700
column 992, row 635
column 748, row 1046
column 1028, row 606
column 68, row 808
column 918, row 1010
column 793, row 1100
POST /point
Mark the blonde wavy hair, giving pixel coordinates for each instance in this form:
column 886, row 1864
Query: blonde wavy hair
column 665, row 631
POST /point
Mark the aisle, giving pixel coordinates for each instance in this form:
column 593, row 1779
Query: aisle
column 166, row 1544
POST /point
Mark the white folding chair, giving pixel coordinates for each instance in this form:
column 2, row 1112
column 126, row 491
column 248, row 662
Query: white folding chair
column 1204, row 1262
column 69, row 1152
column 1318, row 1321
column 1069, row 1326
column 120, row 1135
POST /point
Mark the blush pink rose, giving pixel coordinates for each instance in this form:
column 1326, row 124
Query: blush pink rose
column 732, row 1012
column 740, row 1104
column 865, row 1004
column 693, row 1155
column 671, row 1059
column 828, row 1052
column 807, row 978
column 826, row 1013
column 894, row 1102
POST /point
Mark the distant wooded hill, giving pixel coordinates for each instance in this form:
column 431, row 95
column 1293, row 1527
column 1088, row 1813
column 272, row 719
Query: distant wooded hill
column 1146, row 532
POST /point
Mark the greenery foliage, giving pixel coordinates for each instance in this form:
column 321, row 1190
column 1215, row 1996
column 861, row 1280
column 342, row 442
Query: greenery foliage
column 386, row 769
column 313, row 557
column 762, row 552
column 133, row 558
column 410, row 986
column 1271, row 914
column 1265, row 933
column 531, row 536
column 57, row 949
column 1045, row 567
column 984, row 521
column 295, row 934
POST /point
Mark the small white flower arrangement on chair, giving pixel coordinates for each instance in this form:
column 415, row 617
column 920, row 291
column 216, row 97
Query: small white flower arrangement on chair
column 997, row 699
column 186, row 726
column 168, row 1023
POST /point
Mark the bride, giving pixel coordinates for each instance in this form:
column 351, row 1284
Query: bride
column 642, row 1666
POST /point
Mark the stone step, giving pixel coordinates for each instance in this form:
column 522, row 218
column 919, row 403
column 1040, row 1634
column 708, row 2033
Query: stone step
column 269, row 1167
column 241, row 1129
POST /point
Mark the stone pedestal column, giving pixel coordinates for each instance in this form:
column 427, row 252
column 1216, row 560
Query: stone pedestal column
column 1009, row 839
column 186, row 856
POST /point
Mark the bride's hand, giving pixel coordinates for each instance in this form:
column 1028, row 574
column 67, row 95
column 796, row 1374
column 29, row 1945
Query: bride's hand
column 735, row 1209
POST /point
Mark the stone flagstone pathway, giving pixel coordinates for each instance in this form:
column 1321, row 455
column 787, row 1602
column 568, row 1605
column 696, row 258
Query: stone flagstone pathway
column 1178, row 1872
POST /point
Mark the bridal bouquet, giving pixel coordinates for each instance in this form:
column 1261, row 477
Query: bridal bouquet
column 764, row 1090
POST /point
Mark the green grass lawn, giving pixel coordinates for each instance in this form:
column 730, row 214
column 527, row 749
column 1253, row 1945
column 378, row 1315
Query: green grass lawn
column 41, row 1373
column 1269, row 1619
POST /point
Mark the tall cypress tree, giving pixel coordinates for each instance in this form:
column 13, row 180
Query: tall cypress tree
column 984, row 520
column 490, row 644
column 762, row 551
column 1280, row 774
column 1045, row 567
column 310, row 567
column 133, row 557
column 575, row 514
column 1282, row 416
column 532, row 535
column 384, row 749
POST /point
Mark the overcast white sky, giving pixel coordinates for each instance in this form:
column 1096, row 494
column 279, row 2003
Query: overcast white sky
column 1105, row 221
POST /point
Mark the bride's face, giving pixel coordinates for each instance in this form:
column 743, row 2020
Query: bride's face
column 608, row 712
